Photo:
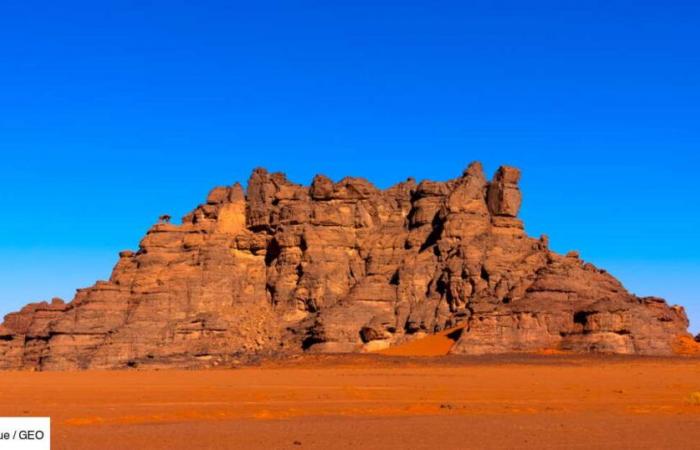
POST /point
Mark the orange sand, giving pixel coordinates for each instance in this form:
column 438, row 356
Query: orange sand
column 438, row 344
column 372, row 401
column 686, row 346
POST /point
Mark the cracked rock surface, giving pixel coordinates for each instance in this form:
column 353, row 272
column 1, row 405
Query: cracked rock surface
column 282, row 268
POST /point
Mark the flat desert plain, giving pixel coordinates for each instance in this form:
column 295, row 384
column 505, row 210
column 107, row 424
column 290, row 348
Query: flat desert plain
column 372, row 401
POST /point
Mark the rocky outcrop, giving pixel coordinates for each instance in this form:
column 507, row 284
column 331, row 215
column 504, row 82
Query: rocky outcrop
column 339, row 267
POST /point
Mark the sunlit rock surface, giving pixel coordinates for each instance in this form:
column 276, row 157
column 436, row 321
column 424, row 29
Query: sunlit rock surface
column 339, row 267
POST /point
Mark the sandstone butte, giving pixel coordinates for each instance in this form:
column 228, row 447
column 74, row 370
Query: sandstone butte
column 340, row 267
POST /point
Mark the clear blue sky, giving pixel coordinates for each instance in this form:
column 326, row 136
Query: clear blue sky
column 112, row 113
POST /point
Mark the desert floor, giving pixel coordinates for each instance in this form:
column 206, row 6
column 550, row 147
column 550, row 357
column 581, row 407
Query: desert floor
column 372, row 401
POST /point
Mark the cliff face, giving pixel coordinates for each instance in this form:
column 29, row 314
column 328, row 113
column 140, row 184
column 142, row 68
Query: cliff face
column 339, row 267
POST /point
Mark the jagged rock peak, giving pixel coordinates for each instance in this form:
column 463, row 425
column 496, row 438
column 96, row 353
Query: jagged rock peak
column 474, row 169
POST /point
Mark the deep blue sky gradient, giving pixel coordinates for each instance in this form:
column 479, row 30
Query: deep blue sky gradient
column 112, row 113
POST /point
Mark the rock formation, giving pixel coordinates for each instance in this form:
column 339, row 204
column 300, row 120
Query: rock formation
column 339, row 267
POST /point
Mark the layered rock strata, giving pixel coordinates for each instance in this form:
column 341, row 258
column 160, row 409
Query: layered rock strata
column 339, row 267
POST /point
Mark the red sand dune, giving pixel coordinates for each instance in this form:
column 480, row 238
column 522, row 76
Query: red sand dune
column 687, row 346
column 438, row 344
